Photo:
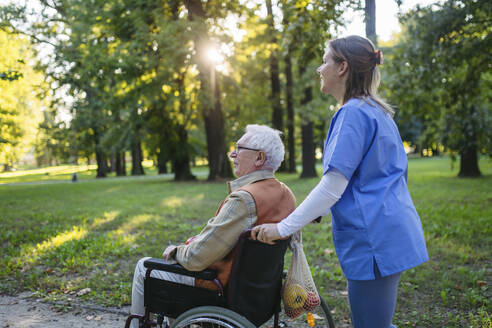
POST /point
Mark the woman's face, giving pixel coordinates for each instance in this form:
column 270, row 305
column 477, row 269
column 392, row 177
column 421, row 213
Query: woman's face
column 330, row 73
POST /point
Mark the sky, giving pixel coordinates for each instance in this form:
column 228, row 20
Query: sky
column 386, row 18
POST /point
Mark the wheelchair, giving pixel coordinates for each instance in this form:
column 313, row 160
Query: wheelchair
column 249, row 300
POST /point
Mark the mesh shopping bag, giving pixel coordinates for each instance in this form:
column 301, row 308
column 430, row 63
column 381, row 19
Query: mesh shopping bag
column 299, row 293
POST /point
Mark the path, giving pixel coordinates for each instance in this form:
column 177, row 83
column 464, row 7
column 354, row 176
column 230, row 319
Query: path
column 22, row 311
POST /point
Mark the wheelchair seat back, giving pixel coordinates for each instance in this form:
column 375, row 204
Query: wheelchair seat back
column 256, row 279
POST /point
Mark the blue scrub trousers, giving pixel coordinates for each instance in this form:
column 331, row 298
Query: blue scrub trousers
column 372, row 302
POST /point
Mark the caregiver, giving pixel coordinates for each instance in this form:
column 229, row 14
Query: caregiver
column 376, row 230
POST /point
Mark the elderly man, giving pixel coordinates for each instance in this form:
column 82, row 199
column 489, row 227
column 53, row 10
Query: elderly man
column 256, row 197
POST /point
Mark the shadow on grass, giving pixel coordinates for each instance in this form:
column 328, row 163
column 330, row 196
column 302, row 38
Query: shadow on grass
column 91, row 225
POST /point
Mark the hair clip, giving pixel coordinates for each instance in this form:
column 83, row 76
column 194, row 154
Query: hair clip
column 379, row 57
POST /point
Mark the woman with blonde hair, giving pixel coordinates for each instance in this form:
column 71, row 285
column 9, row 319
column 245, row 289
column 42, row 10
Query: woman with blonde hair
column 377, row 232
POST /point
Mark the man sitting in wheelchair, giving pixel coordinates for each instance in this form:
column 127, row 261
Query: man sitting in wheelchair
column 255, row 198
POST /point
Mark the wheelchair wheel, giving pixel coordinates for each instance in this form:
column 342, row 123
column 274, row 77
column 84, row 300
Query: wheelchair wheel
column 211, row 317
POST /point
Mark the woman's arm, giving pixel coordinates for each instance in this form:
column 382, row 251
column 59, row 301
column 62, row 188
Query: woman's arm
column 317, row 203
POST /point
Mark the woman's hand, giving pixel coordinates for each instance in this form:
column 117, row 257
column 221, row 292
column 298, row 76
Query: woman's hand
column 266, row 233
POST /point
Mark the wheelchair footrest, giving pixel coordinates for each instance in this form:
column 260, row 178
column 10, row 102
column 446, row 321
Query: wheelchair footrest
column 172, row 299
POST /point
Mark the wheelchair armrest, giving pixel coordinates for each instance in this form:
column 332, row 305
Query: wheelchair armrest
column 162, row 265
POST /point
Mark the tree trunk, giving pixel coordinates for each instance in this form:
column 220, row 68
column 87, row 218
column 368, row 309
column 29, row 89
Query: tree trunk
column 277, row 113
column 117, row 163
column 123, row 163
column 469, row 163
column 112, row 162
column 102, row 163
column 218, row 161
column 370, row 13
column 308, row 156
column 307, row 134
column 101, row 160
column 162, row 161
column 290, row 112
column 181, row 157
column 219, row 165
column 137, row 168
column 166, row 140
column 181, row 162
column 120, row 166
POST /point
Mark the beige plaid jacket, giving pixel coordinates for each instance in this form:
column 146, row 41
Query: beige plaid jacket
column 221, row 233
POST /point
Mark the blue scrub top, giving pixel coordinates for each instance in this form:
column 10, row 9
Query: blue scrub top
column 375, row 220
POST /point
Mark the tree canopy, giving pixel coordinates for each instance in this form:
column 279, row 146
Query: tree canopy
column 439, row 76
column 174, row 81
column 20, row 86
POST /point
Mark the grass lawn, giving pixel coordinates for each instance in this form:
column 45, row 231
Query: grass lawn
column 60, row 238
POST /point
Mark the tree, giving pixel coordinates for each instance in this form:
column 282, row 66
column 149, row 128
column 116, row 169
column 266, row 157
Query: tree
column 444, row 49
column 140, row 84
column 370, row 16
column 20, row 107
column 219, row 166
column 308, row 27
column 289, row 98
column 114, row 62
column 277, row 112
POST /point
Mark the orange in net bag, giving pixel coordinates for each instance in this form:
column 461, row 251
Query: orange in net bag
column 299, row 292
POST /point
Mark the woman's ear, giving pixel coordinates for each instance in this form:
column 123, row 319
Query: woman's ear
column 342, row 68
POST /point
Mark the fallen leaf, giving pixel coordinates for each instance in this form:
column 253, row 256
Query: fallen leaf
column 481, row 283
column 328, row 251
column 83, row 291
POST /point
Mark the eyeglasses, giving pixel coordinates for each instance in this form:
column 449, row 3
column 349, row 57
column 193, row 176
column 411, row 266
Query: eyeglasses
column 238, row 148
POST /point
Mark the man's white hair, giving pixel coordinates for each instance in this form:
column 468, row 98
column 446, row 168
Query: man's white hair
column 267, row 139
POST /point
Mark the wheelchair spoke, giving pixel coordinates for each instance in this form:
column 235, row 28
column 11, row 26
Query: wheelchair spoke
column 206, row 323
column 211, row 317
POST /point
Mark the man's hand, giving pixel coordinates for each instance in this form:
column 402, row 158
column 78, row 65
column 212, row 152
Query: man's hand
column 168, row 252
column 266, row 233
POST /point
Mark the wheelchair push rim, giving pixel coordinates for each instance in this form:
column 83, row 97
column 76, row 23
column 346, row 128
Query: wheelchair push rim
column 211, row 316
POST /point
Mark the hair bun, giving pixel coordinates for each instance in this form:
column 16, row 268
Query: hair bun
column 379, row 57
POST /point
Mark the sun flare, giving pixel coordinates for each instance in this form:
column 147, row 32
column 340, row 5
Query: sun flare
column 214, row 56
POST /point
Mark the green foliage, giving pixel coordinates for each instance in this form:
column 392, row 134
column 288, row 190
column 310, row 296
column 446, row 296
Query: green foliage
column 439, row 76
column 20, row 109
column 11, row 75
column 62, row 238
column 136, row 73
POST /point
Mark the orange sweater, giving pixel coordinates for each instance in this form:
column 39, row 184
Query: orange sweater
column 274, row 202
